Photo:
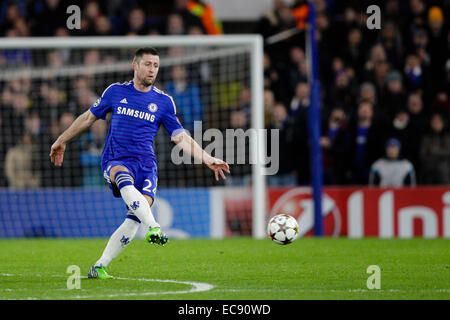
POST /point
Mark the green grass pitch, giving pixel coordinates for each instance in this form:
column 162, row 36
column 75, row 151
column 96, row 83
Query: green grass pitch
column 229, row 269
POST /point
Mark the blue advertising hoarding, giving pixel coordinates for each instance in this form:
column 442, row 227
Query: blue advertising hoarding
column 96, row 213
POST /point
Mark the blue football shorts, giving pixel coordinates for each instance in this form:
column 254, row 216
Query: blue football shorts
column 145, row 178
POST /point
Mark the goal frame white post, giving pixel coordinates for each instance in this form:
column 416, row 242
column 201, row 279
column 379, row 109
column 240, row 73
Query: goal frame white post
column 255, row 43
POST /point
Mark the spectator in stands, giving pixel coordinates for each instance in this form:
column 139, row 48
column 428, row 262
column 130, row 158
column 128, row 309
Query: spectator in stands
column 50, row 176
column 240, row 173
column 435, row 153
column 416, row 110
column 392, row 171
column 392, row 12
column 244, row 101
column 341, row 93
column 392, row 42
column 301, row 98
column 417, row 125
column 20, row 86
column 269, row 103
column 11, row 16
column 195, row 31
column 70, row 174
column 279, row 117
column 297, row 56
column 14, row 20
column 45, row 21
column 277, row 20
column 19, row 164
column 279, row 120
column 84, row 101
column 136, row 23
column 303, row 69
column 11, row 126
column 367, row 93
column 15, row 117
column 103, row 27
column 186, row 95
column 64, row 52
column 377, row 55
column 52, row 103
column 367, row 136
column 272, row 21
column 92, row 11
column 400, row 129
column 335, row 145
column 414, row 73
column 324, row 36
column 20, row 104
column 395, row 98
column 418, row 13
column 298, row 134
column 54, row 59
column 420, row 46
column 353, row 53
column 275, row 80
column 336, row 65
column 91, row 146
column 92, row 57
column 15, row 57
column 381, row 72
column 175, row 25
column 33, row 124
column 442, row 100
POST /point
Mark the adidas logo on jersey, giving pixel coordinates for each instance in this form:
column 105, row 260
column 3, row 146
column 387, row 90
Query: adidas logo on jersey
column 124, row 100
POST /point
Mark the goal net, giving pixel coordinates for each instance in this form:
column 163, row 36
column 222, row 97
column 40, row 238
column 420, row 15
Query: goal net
column 46, row 83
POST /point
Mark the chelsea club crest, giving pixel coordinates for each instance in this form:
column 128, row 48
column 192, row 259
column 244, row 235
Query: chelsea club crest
column 152, row 107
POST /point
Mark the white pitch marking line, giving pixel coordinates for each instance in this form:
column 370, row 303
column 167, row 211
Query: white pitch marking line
column 196, row 287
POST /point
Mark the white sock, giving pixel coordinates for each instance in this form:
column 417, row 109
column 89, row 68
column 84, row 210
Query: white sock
column 137, row 203
column 118, row 241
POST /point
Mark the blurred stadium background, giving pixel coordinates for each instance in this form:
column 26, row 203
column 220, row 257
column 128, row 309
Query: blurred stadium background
column 375, row 85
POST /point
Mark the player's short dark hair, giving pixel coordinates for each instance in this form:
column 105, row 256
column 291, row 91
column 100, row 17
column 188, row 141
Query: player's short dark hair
column 145, row 50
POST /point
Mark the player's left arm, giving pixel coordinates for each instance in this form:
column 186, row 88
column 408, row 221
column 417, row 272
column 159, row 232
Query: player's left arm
column 189, row 145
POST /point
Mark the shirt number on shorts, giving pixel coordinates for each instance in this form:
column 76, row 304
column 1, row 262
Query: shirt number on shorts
column 147, row 188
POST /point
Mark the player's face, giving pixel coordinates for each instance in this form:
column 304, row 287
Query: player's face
column 146, row 69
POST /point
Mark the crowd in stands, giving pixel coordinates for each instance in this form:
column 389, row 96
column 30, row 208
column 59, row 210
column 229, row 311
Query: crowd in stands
column 376, row 85
column 381, row 89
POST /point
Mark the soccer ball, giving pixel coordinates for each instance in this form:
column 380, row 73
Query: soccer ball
column 282, row 229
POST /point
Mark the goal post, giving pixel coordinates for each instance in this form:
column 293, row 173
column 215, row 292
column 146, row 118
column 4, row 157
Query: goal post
column 229, row 48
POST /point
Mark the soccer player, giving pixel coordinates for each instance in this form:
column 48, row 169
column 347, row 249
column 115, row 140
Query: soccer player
column 138, row 109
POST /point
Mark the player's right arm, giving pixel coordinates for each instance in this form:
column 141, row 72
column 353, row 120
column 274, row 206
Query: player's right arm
column 81, row 124
column 98, row 110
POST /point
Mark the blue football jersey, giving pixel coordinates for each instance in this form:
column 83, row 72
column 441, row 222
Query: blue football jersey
column 136, row 118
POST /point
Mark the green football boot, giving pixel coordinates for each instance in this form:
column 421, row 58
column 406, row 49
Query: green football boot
column 99, row 273
column 154, row 235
